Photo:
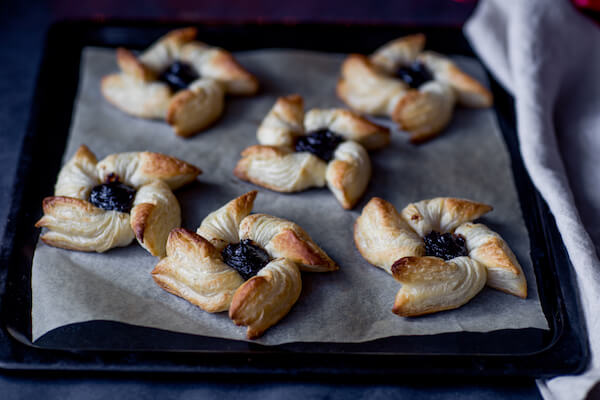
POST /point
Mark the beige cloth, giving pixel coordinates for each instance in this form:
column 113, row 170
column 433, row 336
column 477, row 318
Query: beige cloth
column 548, row 56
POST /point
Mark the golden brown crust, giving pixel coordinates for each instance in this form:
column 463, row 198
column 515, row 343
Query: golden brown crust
column 283, row 123
column 300, row 251
column 479, row 97
column 164, row 167
column 348, row 174
column 78, row 176
column 85, row 154
column 166, row 49
column 136, row 90
column 264, row 151
column 442, row 214
column 403, row 112
column 282, row 238
column 280, row 169
column 370, row 85
column 194, row 270
column 139, row 221
column 52, row 202
column 131, row 65
column 194, row 267
column 237, row 309
column 275, row 165
column 136, row 97
column 349, row 125
column 290, row 109
column 493, row 251
column 371, row 135
column 365, row 89
column 382, row 237
column 181, row 35
column 140, row 168
column 237, row 79
column 175, row 105
column 221, row 226
column 267, row 297
column 398, row 52
column 154, row 214
column 337, row 177
column 413, row 269
column 249, row 287
column 394, row 242
column 196, row 108
column 488, row 247
column 289, row 106
column 180, row 239
column 424, row 113
column 244, row 203
column 469, row 91
column 259, row 151
column 466, row 210
column 430, row 284
column 361, row 124
column 76, row 224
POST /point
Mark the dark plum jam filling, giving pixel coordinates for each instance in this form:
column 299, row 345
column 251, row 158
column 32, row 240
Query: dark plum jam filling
column 320, row 143
column 113, row 196
column 415, row 74
column 446, row 245
column 245, row 257
column 178, row 76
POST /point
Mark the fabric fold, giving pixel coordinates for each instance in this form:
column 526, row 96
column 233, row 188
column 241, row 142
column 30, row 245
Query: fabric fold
column 547, row 55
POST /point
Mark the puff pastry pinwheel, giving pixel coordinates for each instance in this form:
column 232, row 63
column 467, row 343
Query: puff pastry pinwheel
column 417, row 89
column 441, row 258
column 322, row 147
column 178, row 79
column 100, row 205
column 247, row 264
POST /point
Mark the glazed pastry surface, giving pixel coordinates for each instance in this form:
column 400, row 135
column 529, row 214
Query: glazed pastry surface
column 75, row 223
column 266, row 298
column 398, row 243
column 196, row 266
column 279, row 164
column 140, row 88
column 193, row 269
column 430, row 284
column 382, row 236
column 375, row 85
column 503, row 270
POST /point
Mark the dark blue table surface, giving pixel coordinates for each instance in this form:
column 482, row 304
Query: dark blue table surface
column 22, row 31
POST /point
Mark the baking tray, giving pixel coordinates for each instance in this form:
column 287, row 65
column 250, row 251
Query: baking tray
column 112, row 346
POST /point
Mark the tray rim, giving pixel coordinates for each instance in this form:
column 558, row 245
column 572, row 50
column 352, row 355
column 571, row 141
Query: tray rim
column 8, row 343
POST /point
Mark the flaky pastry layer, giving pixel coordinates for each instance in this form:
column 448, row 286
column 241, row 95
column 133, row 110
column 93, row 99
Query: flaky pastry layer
column 136, row 90
column 394, row 242
column 194, row 268
column 75, row 223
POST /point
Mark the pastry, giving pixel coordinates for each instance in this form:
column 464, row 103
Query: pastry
column 440, row 257
column 298, row 151
column 178, row 79
column 415, row 88
column 247, row 264
column 100, row 205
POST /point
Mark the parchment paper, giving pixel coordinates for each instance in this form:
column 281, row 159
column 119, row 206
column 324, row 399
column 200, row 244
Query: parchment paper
column 351, row 305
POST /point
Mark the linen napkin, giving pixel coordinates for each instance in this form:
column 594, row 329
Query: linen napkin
column 548, row 56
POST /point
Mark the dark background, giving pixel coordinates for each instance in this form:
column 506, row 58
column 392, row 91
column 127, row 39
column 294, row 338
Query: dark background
column 23, row 25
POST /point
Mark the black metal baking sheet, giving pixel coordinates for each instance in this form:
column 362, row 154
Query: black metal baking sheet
column 110, row 346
